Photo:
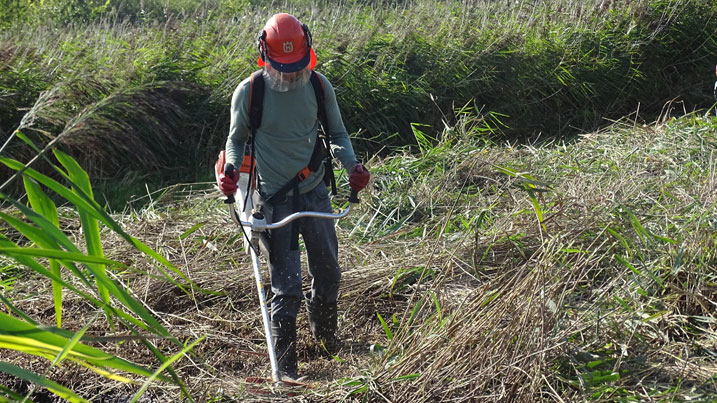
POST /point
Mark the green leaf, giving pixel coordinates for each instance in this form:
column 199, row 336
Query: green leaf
column 536, row 206
column 638, row 272
column 386, row 329
column 44, row 206
column 40, row 202
column 90, row 226
column 38, row 268
column 46, row 236
column 115, row 290
column 622, row 239
column 414, row 312
column 58, row 254
column 437, row 304
column 53, row 387
column 32, row 339
column 623, row 303
column 72, row 342
column 14, row 397
column 599, row 377
column 83, row 202
column 188, row 232
column 405, row 378
column 164, row 366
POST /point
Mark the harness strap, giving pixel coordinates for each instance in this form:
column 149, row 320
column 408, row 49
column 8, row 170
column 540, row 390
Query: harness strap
column 256, row 108
column 318, row 85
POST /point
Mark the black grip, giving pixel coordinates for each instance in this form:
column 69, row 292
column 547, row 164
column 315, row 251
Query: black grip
column 228, row 170
column 353, row 197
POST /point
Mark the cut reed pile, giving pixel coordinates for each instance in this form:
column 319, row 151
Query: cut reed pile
column 581, row 271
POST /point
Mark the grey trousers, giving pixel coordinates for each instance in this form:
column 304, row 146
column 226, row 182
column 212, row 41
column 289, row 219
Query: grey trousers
column 319, row 236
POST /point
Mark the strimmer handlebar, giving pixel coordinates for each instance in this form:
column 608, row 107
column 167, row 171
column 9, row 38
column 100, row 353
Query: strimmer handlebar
column 258, row 223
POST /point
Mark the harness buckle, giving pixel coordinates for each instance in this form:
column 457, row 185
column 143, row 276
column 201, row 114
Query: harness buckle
column 303, row 174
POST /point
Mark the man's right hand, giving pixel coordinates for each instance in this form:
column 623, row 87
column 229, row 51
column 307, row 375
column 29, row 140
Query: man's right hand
column 228, row 183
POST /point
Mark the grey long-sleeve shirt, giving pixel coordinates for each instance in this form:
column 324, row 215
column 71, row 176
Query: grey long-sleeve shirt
column 285, row 140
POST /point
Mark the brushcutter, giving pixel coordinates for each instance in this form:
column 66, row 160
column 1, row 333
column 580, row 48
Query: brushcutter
column 255, row 223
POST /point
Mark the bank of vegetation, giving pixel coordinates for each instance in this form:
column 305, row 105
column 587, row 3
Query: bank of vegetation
column 139, row 91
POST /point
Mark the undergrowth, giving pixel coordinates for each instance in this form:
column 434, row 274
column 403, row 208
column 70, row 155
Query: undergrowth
column 473, row 271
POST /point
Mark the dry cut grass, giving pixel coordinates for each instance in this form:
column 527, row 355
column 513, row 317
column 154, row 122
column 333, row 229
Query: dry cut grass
column 472, row 272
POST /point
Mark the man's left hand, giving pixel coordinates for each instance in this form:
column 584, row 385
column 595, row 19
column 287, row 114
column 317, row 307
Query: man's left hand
column 358, row 177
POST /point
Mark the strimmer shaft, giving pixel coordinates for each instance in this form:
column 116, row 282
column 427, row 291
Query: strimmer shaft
column 275, row 374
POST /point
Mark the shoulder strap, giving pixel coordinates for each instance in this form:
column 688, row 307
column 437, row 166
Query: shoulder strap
column 319, row 92
column 256, row 107
column 256, row 102
column 318, row 85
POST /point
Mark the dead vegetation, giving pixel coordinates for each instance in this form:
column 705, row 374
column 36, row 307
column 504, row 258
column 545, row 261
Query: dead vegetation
column 472, row 272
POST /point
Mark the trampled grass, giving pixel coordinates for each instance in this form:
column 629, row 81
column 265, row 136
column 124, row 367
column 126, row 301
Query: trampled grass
column 473, row 271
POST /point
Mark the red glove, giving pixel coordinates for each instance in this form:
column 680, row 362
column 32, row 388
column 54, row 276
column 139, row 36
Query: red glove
column 358, row 178
column 228, row 184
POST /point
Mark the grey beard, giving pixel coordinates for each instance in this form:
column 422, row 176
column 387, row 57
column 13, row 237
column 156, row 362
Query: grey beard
column 283, row 82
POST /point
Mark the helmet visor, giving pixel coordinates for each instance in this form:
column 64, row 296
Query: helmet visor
column 308, row 60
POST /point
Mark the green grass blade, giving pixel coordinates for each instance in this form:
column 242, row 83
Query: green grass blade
column 83, row 202
column 72, row 342
column 164, row 366
column 188, row 232
column 623, row 241
column 34, row 338
column 536, row 205
column 386, row 329
column 55, row 388
column 90, row 226
column 27, row 261
column 437, row 304
column 47, row 237
column 414, row 312
column 642, row 234
column 11, row 396
column 40, row 202
column 44, row 206
column 58, row 254
column 117, row 291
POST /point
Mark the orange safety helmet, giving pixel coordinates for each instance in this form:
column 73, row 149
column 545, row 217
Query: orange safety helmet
column 286, row 43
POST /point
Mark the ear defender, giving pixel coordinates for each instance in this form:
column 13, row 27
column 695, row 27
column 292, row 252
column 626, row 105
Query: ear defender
column 261, row 45
column 307, row 35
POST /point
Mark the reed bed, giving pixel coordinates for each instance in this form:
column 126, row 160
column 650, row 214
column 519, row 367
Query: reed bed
column 540, row 69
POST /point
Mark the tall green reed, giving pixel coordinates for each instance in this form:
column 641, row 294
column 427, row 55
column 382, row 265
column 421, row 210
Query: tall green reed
column 42, row 244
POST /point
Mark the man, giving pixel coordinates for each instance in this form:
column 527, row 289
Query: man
column 284, row 144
